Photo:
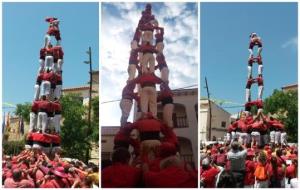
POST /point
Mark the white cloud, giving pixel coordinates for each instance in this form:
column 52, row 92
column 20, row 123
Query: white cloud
column 181, row 41
column 292, row 42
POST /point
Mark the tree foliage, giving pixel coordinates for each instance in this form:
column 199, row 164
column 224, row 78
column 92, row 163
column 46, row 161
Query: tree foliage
column 23, row 110
column 74, row 127
column 285, row 106
column 94, row 136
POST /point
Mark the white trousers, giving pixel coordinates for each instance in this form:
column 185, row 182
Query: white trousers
column 57, row 67
column 36, row 95
column 277, row 137
column 272, row 136
column 57, row 118
column 131, row 71
column 244, row 138
column 256, row 137
column 42, row 65
column 32, row 121
column 45, row 88
column 164, row 74
column 148, row 60
column 42, row 121
column 125, row 105
column 168, row 114
column 57, row 91
column 147, row 36
column 148, row 100
column 283, row 138
column 48, row 62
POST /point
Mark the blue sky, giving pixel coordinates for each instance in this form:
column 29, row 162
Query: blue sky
column 225, row 29
column 119, row 21
column 23, row 36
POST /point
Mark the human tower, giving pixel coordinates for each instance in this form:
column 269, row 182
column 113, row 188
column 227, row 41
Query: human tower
column 258, row 130
column 146, row 56
column 45, row 115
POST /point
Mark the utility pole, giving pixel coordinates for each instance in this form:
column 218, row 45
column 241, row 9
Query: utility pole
column 89, row 52
column 209, row 107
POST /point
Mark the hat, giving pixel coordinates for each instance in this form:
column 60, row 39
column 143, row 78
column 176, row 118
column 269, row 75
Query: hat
column 60, row 171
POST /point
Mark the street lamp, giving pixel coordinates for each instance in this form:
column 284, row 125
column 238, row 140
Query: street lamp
column 89, row 52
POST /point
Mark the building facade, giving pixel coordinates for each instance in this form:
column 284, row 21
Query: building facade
column 218, row 123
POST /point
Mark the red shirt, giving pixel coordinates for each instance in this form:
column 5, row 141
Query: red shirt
column 24, row 183
column 120, row 175
column 209, row 177
column 44, row 105
column 242, row 125
column 58, row 52
column 148, row 125
column 171, row 177
column 39, row 137
column 42, row 53
column 280, row 172
column 250, row 169
column 148, row 79
column 35, row 106
column 169, row 135
column 257, row 125
column 291, row 171
column 54, row 183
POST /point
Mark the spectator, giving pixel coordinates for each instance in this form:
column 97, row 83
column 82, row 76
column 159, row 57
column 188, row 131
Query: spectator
column 237, row 156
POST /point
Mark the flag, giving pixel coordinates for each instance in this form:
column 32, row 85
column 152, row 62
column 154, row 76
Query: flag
column 21, row 126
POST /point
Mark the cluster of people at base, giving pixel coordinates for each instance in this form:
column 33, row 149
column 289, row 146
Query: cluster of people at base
column 45, row 115
column 257, row 130
column 164, row 169
column 235, row 165
column 154, row 161
column 34, row 169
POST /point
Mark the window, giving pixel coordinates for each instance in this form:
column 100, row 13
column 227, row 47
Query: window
column 223, row 124
column 179, row 121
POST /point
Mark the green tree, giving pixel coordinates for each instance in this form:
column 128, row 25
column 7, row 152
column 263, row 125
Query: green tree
column 23, row 110
column 94, row 135
column 285, row 106
column 73, row 131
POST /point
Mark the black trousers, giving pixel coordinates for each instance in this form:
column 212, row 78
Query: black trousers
column 239, row 177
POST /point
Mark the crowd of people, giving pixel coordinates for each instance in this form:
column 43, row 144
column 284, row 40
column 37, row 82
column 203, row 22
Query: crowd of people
column 32, row 168
column 234, row 165
column 165, row 169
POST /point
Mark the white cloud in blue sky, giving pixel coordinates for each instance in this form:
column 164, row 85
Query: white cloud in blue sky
column 291, row 43
column 119, row 21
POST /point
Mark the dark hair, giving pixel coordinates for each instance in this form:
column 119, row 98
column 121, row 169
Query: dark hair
column 226, row 180
column 121, row 155
column 235, row 145
column 105, row 163
column 17, row 175
column 274, row 165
